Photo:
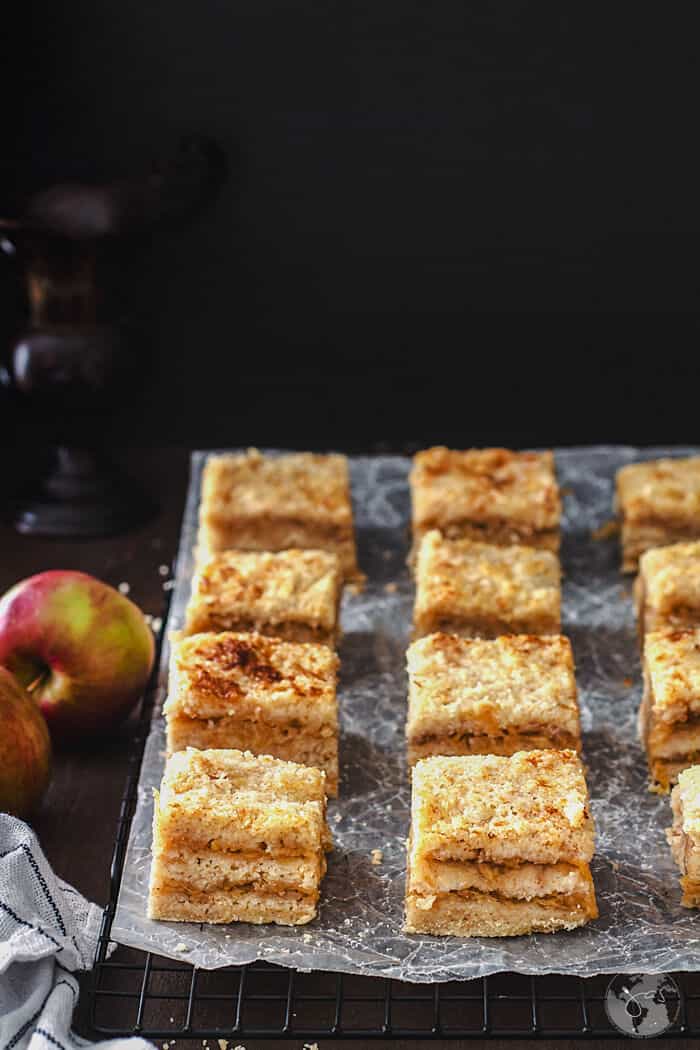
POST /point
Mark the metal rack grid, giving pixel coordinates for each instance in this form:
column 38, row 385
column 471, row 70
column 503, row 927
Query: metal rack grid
column 135, row 992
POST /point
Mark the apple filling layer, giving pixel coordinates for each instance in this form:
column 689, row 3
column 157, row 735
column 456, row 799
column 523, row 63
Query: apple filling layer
column 501, row 743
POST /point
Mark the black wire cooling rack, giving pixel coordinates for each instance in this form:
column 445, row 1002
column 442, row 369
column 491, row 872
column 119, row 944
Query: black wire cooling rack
column 135, row 992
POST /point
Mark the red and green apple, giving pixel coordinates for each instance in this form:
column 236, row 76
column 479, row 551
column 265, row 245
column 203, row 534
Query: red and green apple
column 81, row 649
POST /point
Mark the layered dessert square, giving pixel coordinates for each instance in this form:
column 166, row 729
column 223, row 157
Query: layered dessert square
column 499, row 846
column 684, row 835
column 667, row 587
column 292, row 594
column 490, row 494
column 474, row 697
column 659, row 502
column 256, row 694
column 273, row 503
column 669, row 717
column 479, row 590
column 237, row 838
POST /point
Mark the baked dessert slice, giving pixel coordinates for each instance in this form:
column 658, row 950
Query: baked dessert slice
column 669, row 717
column 273, row 503
column 659, row 502
column 479, row 590
column 667, row 587
column 474, row 697
column 684, row 835
column 237, row 838
column 489, row 494
column 257, row 694
column 293, row 594
column 499, row 846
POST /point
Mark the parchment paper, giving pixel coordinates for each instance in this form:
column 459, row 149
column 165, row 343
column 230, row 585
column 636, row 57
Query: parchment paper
column 641, row 929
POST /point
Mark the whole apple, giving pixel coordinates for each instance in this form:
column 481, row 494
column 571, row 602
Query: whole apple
column 82, row 650
column 25, row 749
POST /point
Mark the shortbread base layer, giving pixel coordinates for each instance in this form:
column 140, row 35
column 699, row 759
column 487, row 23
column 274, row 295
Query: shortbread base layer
column 474, row 914
column 278, row 534
column 224, row 906
column 318, row 748
column 200, row 619
column 474, row 627
column 642, row 536
column 478, row 744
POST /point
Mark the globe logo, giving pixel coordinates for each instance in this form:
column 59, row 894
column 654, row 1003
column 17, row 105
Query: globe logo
column 642, row 1005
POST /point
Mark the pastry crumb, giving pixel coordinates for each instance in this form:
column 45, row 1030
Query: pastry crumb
column 181, row 947
column 606, row 531
column 223, row 1044
column 391, row 588
column 377, row 856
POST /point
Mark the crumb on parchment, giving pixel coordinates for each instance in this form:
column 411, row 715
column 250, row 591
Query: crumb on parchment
column 391, row 587
column 377, row 856
column 606, row 531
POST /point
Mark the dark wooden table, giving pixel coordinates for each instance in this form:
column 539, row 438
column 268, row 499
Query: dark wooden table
column 78, row 821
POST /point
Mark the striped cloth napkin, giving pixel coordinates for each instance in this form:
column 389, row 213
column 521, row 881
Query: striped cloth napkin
column 47, row 932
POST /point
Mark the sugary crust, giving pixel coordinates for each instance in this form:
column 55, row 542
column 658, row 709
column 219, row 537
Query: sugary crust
column 515, row 685
column 474, row 914
column 495, row 487
column 668, row 587
column 273, row 502
column 250, row 676
column 532, row 806
column 661, row 491
column 268, row 592
column 315, row 747
column 237, row 801
column 479, row 590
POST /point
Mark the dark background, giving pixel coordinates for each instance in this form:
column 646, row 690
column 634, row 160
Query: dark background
column 469, row 223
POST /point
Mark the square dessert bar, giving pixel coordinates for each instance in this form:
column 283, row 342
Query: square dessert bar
column 256, row 502
column 499, row 846
column 684, row 835
column 489, row 494
column 667, row 588
column 237, row 839
column 669, row 717
column 475, row 697
column 478, row 590
column 256, row 694
column 659, row 502
column 292, row 594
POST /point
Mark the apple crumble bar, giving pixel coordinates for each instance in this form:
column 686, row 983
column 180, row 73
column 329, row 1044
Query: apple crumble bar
column 273, row 503
column 237, row 839
column 257, row 694
column 293, row 594
column 669, row 717
column 659, row 502
column 489, row 494
column 499, row 846
column 684, row 835
column 667, row 588
column 481, row 590
column 473, row 697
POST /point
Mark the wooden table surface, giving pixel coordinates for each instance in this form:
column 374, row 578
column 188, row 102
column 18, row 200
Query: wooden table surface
column 78, row 822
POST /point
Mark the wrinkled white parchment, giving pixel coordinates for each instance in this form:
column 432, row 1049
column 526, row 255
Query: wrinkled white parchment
column 641, row 929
